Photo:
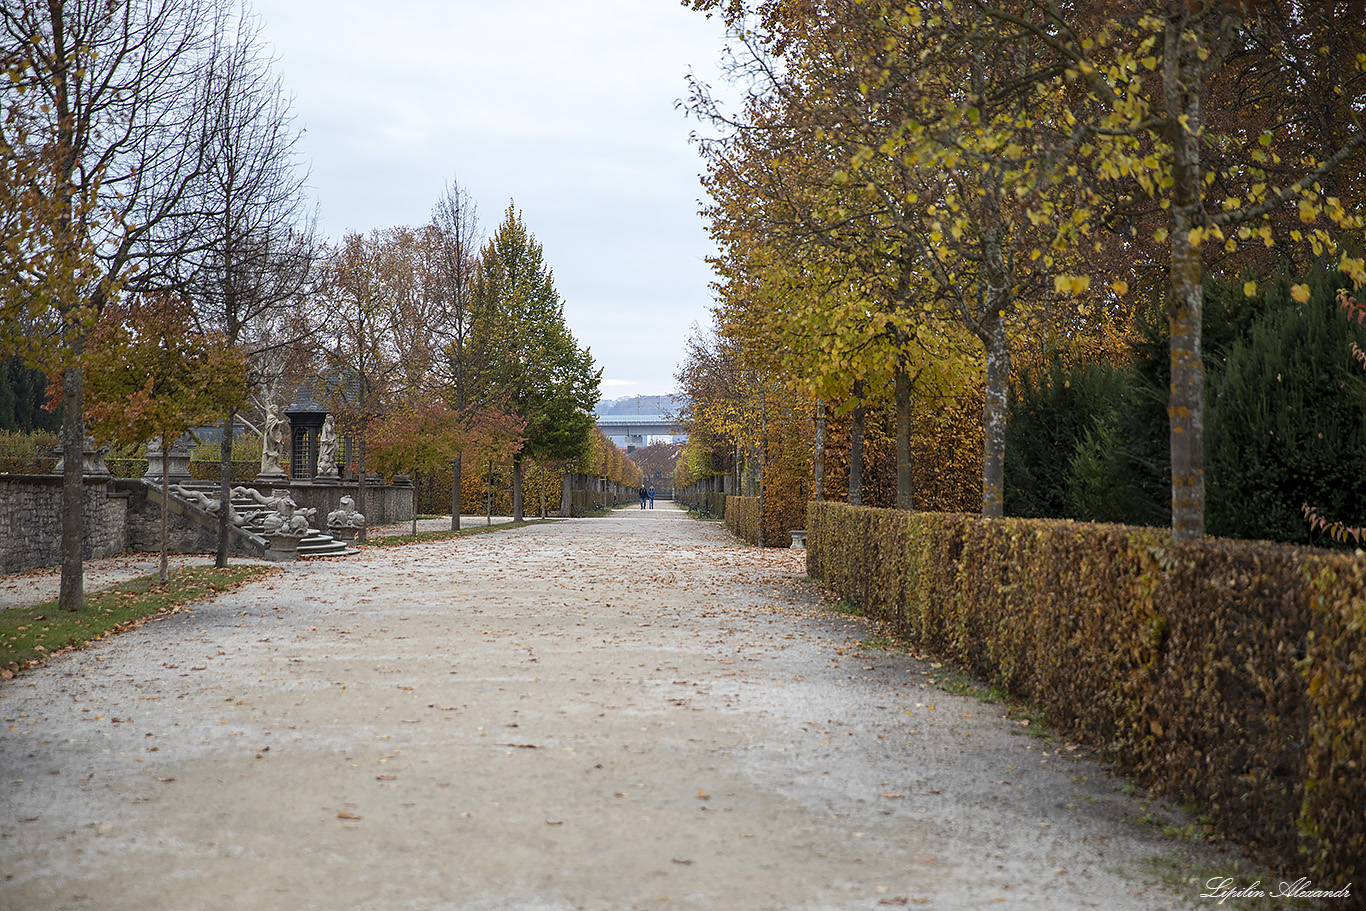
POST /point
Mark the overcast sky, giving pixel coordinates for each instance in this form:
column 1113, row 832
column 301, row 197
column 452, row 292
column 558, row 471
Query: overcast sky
column 565, row 108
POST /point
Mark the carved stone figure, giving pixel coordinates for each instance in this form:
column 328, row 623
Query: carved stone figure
column 284, row 521
column 205, row 502
column 273, row 445
column 345, row 523
column 198, row 498
column 327, row 450
column 251, row 493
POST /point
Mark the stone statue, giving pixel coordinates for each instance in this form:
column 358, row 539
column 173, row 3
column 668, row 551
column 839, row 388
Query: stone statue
column 273, row 445
column 284, row 521
column 327, row 450
column 345, row 523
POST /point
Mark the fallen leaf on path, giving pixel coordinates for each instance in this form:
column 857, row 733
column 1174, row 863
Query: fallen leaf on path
column 345, row 815
column 703, row 795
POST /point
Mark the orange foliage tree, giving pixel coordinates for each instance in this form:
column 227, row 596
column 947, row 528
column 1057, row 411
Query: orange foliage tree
column 151, row 375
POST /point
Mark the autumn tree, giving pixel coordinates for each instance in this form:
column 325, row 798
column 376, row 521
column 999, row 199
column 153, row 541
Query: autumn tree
column 806, row 258
column 429, row 437
column 492, row 438
column 720, row 411
column 530, row 364
column 1174, row 123
column 1224, row 123
column 150, row 374
column 102, row 105
column 910, row 194
column 361, row 353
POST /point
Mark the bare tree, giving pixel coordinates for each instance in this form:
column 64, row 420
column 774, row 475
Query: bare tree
column 256, row 246
column 454, row 262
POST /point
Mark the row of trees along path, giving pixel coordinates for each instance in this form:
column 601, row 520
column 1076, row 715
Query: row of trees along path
column 912, row 190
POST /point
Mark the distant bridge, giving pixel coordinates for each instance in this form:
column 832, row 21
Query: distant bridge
column 635, row 428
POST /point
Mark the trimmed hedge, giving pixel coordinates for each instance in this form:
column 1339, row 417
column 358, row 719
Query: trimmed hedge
column 704, row 497
column 242, row 472
column 711, row 505
column 742, row 518
column 1230, row 674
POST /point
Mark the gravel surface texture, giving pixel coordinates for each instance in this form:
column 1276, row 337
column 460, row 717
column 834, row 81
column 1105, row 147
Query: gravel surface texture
column 619, row 713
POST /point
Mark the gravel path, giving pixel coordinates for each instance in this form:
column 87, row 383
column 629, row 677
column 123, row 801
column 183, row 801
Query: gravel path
column 621, row 713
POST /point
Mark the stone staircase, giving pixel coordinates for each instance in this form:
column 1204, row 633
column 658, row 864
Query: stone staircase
column 314, row 544
column 188, row 500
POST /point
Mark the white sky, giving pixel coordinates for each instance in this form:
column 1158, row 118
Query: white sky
column 565, row 108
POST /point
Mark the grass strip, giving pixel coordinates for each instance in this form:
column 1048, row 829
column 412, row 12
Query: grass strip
column 30, row 635
column 448, row 533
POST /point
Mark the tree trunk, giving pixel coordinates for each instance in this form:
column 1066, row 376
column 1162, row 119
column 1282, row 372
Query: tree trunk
column 818, row 469
column 856, row 449
column 737, row 477
column 455, row 493
column 488, row 496
column 763, row 459
column 518, row 469
column 905, row 471
column 225, row 489
column 1186, row 408
column 72, row 596
column 360, row 479
column 566, row 496
column 165, row 505
column 994, row 403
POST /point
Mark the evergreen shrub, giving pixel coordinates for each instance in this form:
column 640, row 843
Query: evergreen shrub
column 1229, row 674
column 1285, row 420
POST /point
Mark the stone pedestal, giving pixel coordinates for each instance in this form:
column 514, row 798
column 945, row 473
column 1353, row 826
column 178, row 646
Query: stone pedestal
column 347, row 534
column 178, row 462
column 92, row 459
column 282, row 548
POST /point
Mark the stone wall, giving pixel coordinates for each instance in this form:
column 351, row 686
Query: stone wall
column 120, row 518
column 144, row 525
column 31, row 521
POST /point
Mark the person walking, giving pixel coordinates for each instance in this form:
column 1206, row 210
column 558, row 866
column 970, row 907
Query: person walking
column 643, row 494
column 652, row 496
